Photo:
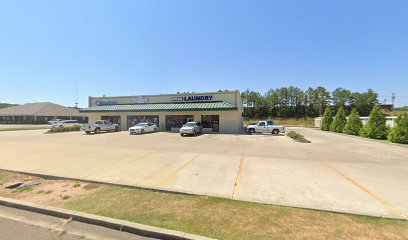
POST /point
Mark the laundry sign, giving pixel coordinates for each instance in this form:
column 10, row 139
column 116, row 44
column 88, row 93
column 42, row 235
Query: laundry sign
column 193, row 98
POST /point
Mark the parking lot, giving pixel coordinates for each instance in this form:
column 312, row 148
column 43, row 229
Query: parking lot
column 334, row 172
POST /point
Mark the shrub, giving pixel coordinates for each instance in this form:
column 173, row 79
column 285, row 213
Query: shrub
column 353, row 124
column 399, row 133
column 327, row 119
column 295, row 135
column 339, row 121
column 64, row 129
column 375, row 128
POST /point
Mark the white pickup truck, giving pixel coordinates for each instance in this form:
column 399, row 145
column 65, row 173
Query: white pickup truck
column 265, row 127
column 99, row 126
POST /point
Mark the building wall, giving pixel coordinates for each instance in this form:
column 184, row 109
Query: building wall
column 232, row 97
column 229, row 121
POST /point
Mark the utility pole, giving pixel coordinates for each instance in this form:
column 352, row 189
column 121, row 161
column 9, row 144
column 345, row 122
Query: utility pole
column 393, row 100
column 76, row 97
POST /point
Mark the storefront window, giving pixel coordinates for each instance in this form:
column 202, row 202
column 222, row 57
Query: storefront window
column 177, row 121
column 112, row 119
column 211, row 121
column 133, row 120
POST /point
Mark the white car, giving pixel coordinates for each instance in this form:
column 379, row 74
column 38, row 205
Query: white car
column 65, row 123
column 191, row 128
column 265, row 127
column 143, row 128
column 54, row 121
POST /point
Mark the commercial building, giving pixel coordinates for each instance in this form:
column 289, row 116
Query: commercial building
column 217, row 111
column 37, row 113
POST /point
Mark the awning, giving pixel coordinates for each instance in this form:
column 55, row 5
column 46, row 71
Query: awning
column 163, row 107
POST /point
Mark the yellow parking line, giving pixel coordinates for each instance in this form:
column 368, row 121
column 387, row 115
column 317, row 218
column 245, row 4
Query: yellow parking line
column 393, row 209
column 241, row 166
column 170, row 176
column 238, row 178
column 120, row 164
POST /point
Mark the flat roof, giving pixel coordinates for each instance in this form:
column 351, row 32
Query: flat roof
column 164, row 107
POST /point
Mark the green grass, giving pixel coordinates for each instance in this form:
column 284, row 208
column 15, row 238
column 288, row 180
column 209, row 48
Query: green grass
column 229, row 219
column 66, row 197
column 45, row 192
column 3, row 174
column 26, row 189
column 76, row 185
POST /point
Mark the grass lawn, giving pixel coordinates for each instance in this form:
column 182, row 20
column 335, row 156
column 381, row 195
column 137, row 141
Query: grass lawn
column 229, row 219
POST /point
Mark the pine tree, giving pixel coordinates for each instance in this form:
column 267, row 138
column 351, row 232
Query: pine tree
column 353, row 124
column 399, row 133
column 327, row 119
column 339, row 121
column 375, row 128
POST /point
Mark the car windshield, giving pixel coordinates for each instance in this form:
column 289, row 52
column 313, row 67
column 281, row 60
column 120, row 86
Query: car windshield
column 140, row 125
column 189, row 125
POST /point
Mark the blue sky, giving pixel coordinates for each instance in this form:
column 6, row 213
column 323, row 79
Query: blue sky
column 47, row 48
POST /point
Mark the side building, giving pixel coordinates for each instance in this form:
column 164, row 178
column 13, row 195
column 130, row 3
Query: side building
column 217, row 111
column 39, row 113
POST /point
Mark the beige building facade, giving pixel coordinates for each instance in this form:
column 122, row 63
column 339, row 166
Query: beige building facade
column 217, row 111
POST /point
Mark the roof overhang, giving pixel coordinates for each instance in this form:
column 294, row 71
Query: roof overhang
column 164, row 107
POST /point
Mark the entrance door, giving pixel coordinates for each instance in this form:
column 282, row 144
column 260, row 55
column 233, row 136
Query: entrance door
column 211, row 121
column 177, row 121
column 112, row 119
column 133, row 120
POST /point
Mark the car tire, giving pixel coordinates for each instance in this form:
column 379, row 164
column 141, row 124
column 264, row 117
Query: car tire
column 87, row 132
column 60, row 126
column 275, row 131
column 182, row 135
column 116, row 129
column 97, row 130
column 194, row 133
column 142, row 131
column 155, row 130
column 251, row 130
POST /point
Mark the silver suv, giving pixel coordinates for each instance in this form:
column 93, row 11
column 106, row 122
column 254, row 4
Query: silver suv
column 191, row 128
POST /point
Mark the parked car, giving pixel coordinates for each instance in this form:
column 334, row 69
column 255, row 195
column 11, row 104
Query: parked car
column 191, row 128
column 265, row 127
column 99, row 126
column 65, row 123
column 54, row 121
column 143, row 128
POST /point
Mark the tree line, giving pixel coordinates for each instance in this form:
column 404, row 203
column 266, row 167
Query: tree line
column 293, row 102
column 375, row 128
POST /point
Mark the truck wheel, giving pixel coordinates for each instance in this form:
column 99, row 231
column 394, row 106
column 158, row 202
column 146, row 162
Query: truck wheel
column 194, row 133
column 142, row 131
column 97, row 130
column 87, row 132
column 275, row 131
column 116, row 129
column 251, row 130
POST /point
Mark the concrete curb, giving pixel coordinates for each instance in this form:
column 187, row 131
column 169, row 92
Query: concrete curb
column 362, row 138
column 115, row 224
